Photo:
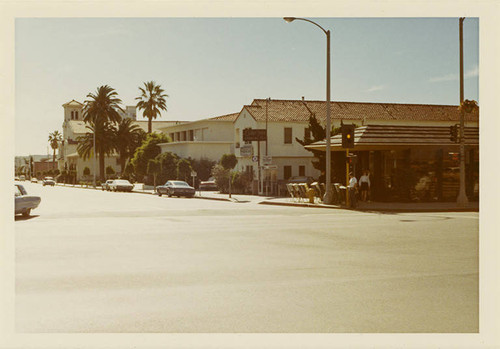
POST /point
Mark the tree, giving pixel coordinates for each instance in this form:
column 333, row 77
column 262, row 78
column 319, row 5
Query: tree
column 104, row 143
column 100, row 111
column 228, row 161
column 153, row 169
column 109, row 171
column 168, row 166
column 148, row 150
column 151, row 100
column 126, row 138
column 54, row 139
column 184, row 170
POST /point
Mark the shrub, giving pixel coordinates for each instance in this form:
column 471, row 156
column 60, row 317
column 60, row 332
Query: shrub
column 184, row 170
column 168, row 166
column 148, row 150
column 221, row 176
column 86, row 171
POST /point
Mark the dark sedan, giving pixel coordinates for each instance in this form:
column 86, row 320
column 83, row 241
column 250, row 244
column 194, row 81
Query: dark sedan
column 175, row 188
column 121, row 185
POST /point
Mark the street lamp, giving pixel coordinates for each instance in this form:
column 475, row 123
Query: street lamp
column 327, row 199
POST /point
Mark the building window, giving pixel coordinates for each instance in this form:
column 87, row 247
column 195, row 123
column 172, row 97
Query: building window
column 72, row 115
column 171, row 135
column 307, row 133
column 183, row 136
column 302, row 170
column 287, row 172
column 288, row 135
column 177, row 136
column 76, row 115
column 191, row 135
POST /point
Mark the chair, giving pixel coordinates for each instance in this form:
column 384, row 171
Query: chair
column 291, row 191
column 296, row 189
column 317, row 190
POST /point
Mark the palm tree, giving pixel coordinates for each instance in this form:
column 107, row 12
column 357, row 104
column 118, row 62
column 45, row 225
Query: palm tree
column 127, row 137
column 104, row 143
column 100, row 111
column 54, row 139
column 151, row 100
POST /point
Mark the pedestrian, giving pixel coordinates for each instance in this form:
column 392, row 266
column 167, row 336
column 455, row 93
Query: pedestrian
column 353, row 184
column 364, row 185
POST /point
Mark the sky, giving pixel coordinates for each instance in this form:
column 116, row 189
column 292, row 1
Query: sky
column 215, row 66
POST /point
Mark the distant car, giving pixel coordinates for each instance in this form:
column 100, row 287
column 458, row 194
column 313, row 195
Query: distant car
column 48, row 181
column 24, row 203
column 208, row 185
column 120, row 185
column 105, row 185
column 16, row 178
column 34, row 180
column 301, row 179
column 175, row 188
column 22, row 177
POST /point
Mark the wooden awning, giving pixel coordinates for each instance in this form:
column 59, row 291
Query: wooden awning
column 387, row 137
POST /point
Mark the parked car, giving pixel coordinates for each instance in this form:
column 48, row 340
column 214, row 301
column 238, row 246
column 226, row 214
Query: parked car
column 105, row 185
column 301, row 179
column 16, row 178
column 22, row 177
column 208, row 185
column 24, row 203
column 48, row 181
column 120, row 185
column 34, row 180
column 175, row 188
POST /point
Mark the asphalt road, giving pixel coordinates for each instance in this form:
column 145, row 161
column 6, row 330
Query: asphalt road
column 93, row 261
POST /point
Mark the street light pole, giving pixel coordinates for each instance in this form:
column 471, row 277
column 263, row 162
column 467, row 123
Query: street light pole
column 462, row 200
column 327, row 199
column 95, row 167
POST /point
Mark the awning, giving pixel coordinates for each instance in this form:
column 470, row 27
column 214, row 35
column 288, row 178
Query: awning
column 385, row 137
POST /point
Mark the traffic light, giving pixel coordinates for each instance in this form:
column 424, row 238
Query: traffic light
column 454, row 133
column 347, row 136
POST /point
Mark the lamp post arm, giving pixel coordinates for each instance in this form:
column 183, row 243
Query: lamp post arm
column 316, row 24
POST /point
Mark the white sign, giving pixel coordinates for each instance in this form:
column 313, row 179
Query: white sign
column 270, row 167
column 267, row 159
column 255, row 158
column 193, row 174
column 246, row 150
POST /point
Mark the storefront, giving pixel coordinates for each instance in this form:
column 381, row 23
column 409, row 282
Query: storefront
column 408, row 163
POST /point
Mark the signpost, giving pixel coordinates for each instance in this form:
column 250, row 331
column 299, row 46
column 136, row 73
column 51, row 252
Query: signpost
column 257, row 134
column 267, row 160
column 246, row 150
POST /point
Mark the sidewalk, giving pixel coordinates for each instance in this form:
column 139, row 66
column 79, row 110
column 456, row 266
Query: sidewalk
column 362, row 206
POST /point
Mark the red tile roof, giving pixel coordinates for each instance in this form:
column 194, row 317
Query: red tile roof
column 299, row 111
column 227, row 117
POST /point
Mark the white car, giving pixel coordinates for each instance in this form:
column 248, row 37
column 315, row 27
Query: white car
column 120, row 185
column 24, row 203
column 48, row 181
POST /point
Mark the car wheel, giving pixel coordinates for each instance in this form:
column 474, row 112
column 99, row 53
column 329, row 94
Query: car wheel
column 27, row 212
column 159, row 193
column 169, row 193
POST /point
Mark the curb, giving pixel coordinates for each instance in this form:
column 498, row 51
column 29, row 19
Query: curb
column 401, row 210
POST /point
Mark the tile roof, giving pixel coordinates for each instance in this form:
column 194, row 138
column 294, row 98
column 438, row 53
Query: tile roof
column 299, row 111
column 227, row 117
column 73, row 103
column 389, row 135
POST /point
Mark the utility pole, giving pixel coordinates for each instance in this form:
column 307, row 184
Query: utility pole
column 462, row 200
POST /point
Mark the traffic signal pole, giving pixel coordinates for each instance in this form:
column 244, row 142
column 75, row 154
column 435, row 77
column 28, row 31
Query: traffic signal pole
column 347, row 177
column 462, row 196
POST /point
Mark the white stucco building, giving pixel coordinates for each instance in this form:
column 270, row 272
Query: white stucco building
column 73, row 127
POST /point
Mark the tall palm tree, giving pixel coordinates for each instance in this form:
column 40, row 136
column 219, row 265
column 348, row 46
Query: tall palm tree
column 127, row 137
column 151, row 100
column 104, row 143
column 100, row 111
column 54, row 139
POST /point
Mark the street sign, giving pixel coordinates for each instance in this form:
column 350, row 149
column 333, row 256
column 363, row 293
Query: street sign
column 255, row 158
column 257, row 134
column 193, row 174
column 267, row 159
column 270, row 167
column 246, row 150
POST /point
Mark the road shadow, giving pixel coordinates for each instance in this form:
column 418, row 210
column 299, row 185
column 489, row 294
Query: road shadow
column 25, row 218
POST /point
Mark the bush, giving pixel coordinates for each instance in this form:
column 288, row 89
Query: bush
column 203, row 168
column 221, row 176
column 168, row 166
column 148, row 150
column 86, row 171
column 184, row 170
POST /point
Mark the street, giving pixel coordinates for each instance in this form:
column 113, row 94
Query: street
column 94, row 261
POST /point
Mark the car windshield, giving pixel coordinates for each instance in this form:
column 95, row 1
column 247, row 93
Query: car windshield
column 180, row 184
column 48, row 178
